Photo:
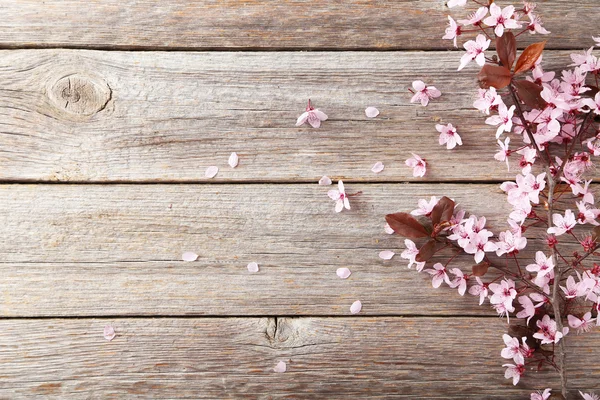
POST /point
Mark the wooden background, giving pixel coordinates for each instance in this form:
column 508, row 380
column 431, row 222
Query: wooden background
column 110, row 112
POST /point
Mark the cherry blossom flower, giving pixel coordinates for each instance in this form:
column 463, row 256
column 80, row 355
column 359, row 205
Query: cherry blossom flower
column 340, row 197
column 504, row 152
column 425, row 207
column 528, row 306
column 515, row 350
column 475, row 51
column 562, row 224
column 535, row 25
column 418, row 164
column 589, row 396
column 547, row 331
column 386, row 255
column 501, row 19
column 510, row 243
column 487, row 100
column 582, row 324
column 503, row 120
column 312, row 115
column 480, row 289
column 109, row 333
column 459, row 281
column 503, row 293
column 233, row 160
column 541, row 395
column 478, row 244
column 574, row 289
column 586, row 215
column 378, row 167
column 583, row 191
column 371, row 112
column 448, row 136
column 410, row 254
column 453, row 31
column 438, row 274
column 543, row 265
column 424, row 93
column 514, row 372
column 594, row 105
column 474, row 18
column 325, row 181
column 539, row 76
column 456, row 3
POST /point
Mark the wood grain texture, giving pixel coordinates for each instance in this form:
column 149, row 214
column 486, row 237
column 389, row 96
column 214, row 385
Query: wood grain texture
column 93, row 250
column 80, row 116
column 251, row 24
column 334, row 358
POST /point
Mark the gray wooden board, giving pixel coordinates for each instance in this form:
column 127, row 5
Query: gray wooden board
column 292, row 24
column 79, row 116
column 90, row 250
column 425, row 358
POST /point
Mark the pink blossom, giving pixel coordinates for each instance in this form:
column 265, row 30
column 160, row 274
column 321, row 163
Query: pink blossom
column 541, row 395
column 475, row 51
column 510, row 243
column 575, row 289
column 448, row 136
column 312, row 115
column 583, row 191
column 589, row 396
column 480, row 289
column 504, row 152
column 594, row 105
column 503, row 293
column 456, row 3
column 514, row 350
column 425, row 207
column 411, row 253
column 478, row 244
column 582, row 324
column 459, row 281
column 528, row 306
column 418, row 164
column 487, row 100
column 438, row 274
column 547, row 331
column 503, row 120
column 539, row 76
column 423, row 93
column 475, row 18
column 562, row 224
column 453, row 31
column 529, row 155
column 593, row 145
column 501, row 19
column 543, row 265
column 340, row 197
column 535, row 25
column 514, row 372
column 586, row 215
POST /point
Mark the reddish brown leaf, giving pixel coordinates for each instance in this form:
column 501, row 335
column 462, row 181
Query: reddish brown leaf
column 493, row 75
column 442, row 211
column 529, row 56
column 506, row 46
column 426, row 252
column 406, row 225
column 480, row 269
column 529, row 92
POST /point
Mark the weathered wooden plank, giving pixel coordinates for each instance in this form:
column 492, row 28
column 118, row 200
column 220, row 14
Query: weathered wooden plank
column 291, row 24
column 423, row 358
column 92, row 250
column 150, row 116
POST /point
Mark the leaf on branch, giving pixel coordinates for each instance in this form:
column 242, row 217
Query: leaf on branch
column 529, row 56
column 426, row 252
column 506, row 46
column 406, row 225
column 480, row 269
column 530, row 93
column 442, row 211
column 493, row 75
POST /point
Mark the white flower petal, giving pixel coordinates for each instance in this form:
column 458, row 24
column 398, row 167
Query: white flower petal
column 386, row 255
column 253, row 267
column 281, row 367
column 109, row 333
column 189, row 256
column 233, row 160
column 211, row 172
column 378, row 167
column 356, row 307
column 343, row 273
column 325, row 181
column 371, row 112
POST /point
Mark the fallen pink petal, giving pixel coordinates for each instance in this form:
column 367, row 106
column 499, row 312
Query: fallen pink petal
column 211, row 172
column 371, row 112
column 281, row 367
column 386, row 255
column 388, row 229
column 253, row 267
column 233, row 160
column 189, row 256
column 109, row 333
column 343, row 273
column 378, row 167
column 325, row 181
column 356, row 307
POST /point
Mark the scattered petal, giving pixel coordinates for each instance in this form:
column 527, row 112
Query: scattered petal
column 386, row 255
column 371, row 112
column 388, row 229
column 281, row 367
column 356, row 307
column 343, row 273
column 189, row 256
column 253, row 267
column 109, row 333
column 233, row 160
column 211, row 172
column 378, row 167
column 325, row 181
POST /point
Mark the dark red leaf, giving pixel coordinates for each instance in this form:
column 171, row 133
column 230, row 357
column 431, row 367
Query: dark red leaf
column 442, row 211
column 529, row 56
column 406, row 225
column 493, row 75
column 480, row 269
column 529, row 92
column 426, row 252
column 506, row 46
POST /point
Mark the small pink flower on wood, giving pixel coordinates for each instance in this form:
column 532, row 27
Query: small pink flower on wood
column 423, row 93
column 312, row 115
column 418, row 164
column 340, row 197
column 501, row 19
column 448, row 136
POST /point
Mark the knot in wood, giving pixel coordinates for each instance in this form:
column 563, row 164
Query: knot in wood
column 80, row 94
